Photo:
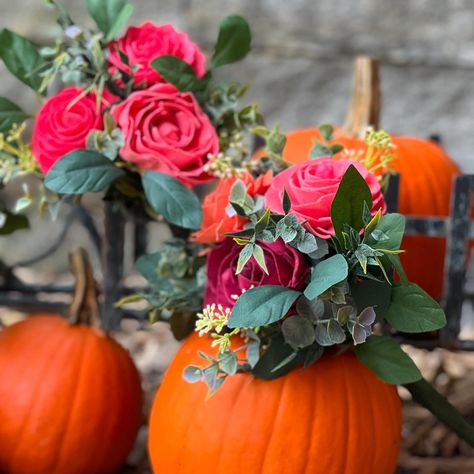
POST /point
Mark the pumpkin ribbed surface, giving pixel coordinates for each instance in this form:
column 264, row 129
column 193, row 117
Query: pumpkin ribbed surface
column 426, row 176
column 334, row 417
column 70, row 399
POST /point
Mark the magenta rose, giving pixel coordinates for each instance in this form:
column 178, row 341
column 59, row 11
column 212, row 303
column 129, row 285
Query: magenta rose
column 62, row 125
column 286, row 267
column 165, row 130
column 312, row 186
column 143, row 44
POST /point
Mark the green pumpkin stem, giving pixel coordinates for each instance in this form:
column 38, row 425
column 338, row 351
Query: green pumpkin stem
column 364, row 110
column 84, row 307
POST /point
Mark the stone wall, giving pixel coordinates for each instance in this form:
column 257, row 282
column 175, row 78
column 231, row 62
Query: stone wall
column 300, row 69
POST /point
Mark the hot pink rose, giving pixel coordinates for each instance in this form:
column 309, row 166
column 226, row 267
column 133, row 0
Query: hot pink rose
column 312, row 186
column 62, row 125
column 166, row 130
column 143, row 44
column 286, row 267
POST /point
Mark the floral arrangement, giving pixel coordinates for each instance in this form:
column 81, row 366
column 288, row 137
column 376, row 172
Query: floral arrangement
column 138, row 116
column 283, row 263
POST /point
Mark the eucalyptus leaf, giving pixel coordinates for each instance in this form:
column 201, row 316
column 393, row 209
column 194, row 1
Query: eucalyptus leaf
column 387, row 360
column 192, row 374
column 261, row 306
column 81, row 171
column 310, row 309
column 298, row 331
column 173, row 200
column 330, row 333
column 326, row 274
column 412, row 310
column 233, row 42
column 228, row 362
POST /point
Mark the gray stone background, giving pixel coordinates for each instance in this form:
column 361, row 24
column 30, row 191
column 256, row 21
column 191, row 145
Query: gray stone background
column 300, row 68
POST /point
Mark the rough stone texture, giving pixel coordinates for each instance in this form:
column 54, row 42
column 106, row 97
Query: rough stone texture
column 300, row 69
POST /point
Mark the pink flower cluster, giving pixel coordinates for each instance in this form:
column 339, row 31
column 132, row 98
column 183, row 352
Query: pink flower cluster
column 164, row 129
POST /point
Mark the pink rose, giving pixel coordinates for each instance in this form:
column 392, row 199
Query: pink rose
column 166, row 130
column 143, row 44
column 286, row 267
column 62, row 125
column 312, row 186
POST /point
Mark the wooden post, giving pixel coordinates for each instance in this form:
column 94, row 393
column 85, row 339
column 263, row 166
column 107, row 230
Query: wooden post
column 364, row 110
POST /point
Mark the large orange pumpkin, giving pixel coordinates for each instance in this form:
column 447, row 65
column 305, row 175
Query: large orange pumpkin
column 334, row 417
column 70, row 399
column 426, row 175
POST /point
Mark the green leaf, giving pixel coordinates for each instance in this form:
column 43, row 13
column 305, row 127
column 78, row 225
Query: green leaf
column 192, row 374
column 326, row 274
column 81, row 171
column 262, row 306
column 244, row 257
column 326, row 131
column 259, row 256
column 413, row 310
column 147, row 266
column 228, row 362
column 348, row 204
column 233, row 42
column 179, row 73
column 10, row 113
column 427, row 396
column 298, row 331
column 277, row 352
column 393, row 226
column 173, row 200
column 10, row 222
column 22, row 58
column 330, row 333
column 286, row 204
column 383, row 356
column 372, row 293
column 109, row 15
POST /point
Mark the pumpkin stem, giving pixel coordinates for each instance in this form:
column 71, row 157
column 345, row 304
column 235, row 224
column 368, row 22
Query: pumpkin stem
column 364, row 110
column 84, row 307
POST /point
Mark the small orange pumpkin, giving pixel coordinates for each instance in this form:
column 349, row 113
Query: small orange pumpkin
column 335, row 416
column 70, row 399
column 426, row 175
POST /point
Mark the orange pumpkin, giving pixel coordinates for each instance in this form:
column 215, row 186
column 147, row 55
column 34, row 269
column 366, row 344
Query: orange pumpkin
column 333, row 417
column 426, row 176
column 70, row 399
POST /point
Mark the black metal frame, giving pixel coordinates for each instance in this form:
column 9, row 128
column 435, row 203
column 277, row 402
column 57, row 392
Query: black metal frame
column 457, row 228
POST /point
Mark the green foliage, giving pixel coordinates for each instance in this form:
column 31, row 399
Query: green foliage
column 388, row 232
column 10, row 114
column 326, row 274
column 372, row 293
column 348, row 203
column 81, row 171
column 109, row 15
column 233, row 41
column 298, row 331
column 325, row 148
column 22, row 58
column 386, row 359
column 176, row 203
column 412, row 310
column 262, row 306
column 10, row 222
column 180, row 74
